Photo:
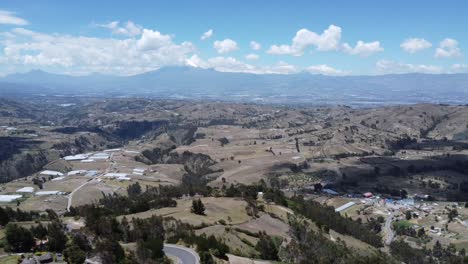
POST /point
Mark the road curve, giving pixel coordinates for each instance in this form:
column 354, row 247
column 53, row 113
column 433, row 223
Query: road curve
column 70, row 196
column 183, row 254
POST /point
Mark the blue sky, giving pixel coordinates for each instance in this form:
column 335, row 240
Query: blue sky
column 327, row 37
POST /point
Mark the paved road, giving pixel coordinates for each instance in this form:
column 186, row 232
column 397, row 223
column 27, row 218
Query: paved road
column 389, row 235
column 183, row 254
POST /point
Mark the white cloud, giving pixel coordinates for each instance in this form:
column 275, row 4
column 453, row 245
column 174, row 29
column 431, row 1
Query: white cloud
column 139, row 49
column 10, row 18
column 413, row 45
column 363, row 49
column 326, row 70
column 80, row 54
column 225, row 46
column 459, row 68
column 196, row 61
column 448, row 48
column 153, row 40
column 29, row 33
column 255, row 45
column 392, row 67
column 252, row 56
column 230, row 64
column 224, row 64
column 130, row 29
column 207, row 34
column 282, row 68
column 328, row 40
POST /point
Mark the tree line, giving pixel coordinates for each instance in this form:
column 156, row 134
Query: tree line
column 325, row 216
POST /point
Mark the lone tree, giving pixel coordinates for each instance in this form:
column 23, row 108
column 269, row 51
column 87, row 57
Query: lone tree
column 408, row 215
column 297, row 144
column 267, row 247
column 134, row 189
column 452, row 214
column 198, row 207
column 74, row 254
column 18, row 239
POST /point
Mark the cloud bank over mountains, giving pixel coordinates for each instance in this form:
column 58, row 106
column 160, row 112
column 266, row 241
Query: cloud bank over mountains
column 132, row 48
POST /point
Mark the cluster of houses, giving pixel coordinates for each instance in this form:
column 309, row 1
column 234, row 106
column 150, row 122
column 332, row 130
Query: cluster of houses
column 394, row 204
column 418, row 205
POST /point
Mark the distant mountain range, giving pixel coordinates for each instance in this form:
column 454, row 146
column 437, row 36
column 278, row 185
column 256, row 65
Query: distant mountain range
column 197, row 83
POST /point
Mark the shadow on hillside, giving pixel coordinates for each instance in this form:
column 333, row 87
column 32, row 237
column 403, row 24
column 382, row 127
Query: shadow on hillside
column 13, row 145
column 389, row 174
column 431, row 144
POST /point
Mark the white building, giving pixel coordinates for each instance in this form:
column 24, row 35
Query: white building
column 138, row 171
column 112, row 150
column 100, row 156
column 124, row 179
column 58, row 178
column 25, row 190
column 115, row 175
column 6, row 198
column 76, row 157
column 51, row 173
column 345, row 206
column 41, row 193
column 76, row 172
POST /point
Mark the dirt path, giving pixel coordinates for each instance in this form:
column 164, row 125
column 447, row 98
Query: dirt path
column 108, row 169
column 70, row 196
column 389, row 234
